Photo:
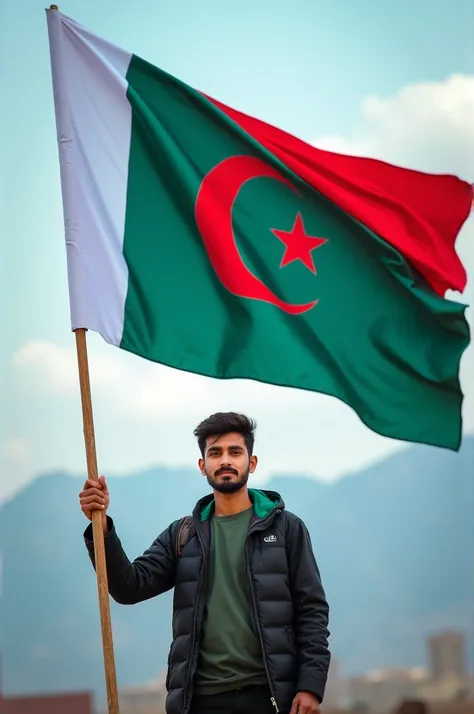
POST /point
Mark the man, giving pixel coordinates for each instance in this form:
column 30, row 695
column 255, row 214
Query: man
column 250, row 614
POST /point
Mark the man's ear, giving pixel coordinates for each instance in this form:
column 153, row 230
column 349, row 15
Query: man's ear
column 253, row 464
column 202, row 467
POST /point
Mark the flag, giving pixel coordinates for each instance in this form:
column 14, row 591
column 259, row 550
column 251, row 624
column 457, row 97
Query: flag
column 209, row 241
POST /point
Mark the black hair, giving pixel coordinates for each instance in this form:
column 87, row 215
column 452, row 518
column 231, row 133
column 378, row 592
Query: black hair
column 224, row 423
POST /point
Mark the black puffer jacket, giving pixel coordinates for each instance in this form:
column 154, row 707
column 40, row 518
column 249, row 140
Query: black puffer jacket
column 289, row 609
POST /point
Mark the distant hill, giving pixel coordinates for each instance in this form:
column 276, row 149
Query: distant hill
column 395, row 544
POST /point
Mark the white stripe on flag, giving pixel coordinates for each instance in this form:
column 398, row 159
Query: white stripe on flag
column 93, row 122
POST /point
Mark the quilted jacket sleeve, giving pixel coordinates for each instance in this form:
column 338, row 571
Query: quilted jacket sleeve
column 148, row 575
column 311, row 611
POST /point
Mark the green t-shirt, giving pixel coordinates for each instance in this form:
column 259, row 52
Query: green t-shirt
column 230, row 654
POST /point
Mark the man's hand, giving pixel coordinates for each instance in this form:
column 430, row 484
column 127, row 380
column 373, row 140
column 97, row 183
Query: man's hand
column 95, row 497
column 305, row 703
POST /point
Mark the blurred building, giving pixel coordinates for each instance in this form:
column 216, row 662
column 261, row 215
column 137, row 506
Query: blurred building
column 147, row 698
column 448, row 655
column 70, row 703
column 381, row 690
column 449, row 681
column 450, row 688
column 335, row 694
column 445, row 687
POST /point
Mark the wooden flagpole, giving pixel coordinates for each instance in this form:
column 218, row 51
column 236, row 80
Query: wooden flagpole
column 98, row 533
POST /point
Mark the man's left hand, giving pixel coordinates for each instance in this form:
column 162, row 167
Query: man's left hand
column 305, row 703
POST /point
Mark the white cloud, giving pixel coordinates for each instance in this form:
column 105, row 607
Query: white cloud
column 50, row 363
column 16, row 465
column 16, row 451
column 428, row 126
column 145, row 413
column 136, row 387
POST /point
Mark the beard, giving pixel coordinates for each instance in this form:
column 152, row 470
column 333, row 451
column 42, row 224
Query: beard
column 227, row 486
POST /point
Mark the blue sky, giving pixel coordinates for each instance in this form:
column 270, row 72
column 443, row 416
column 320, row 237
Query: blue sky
column 307, row 66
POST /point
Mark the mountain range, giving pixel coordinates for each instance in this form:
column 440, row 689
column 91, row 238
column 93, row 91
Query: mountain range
column 394, row 542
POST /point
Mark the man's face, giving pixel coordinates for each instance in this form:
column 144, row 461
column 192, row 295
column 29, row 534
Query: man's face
column 226, row 463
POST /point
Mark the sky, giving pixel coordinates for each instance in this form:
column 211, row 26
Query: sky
column 392, row 80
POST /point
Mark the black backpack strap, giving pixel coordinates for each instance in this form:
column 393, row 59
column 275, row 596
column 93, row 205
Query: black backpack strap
column 183, row 533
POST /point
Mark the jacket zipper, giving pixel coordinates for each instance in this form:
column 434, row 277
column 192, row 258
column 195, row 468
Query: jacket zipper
column 260, row 526
column 257, row 621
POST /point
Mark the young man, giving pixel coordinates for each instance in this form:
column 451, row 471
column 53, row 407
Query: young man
column 250, row 615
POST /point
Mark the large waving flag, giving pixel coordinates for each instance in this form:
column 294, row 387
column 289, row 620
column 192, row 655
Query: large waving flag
column 211, row 242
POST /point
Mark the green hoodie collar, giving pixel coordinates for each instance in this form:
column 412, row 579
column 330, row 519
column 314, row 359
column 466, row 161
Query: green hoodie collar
column 263, row 503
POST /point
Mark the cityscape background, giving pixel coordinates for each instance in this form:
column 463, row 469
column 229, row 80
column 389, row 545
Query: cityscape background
column 391, row 523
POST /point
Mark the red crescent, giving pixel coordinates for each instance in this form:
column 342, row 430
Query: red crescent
column 213, row 210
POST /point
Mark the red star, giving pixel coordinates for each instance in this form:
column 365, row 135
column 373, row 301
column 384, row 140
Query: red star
column 298, row 244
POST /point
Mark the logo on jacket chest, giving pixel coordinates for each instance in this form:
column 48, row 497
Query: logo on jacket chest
column 270, row 539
